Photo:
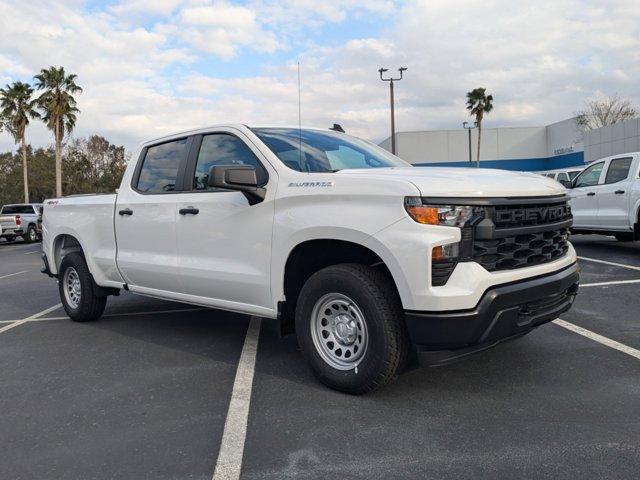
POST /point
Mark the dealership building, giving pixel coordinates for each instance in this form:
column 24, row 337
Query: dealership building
column 559, row 145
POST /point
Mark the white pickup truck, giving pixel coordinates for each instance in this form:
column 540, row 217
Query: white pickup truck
column 368, row 259
column 605, row 197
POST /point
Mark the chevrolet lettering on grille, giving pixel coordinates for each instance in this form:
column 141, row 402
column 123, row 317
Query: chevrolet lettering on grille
column 539, row 214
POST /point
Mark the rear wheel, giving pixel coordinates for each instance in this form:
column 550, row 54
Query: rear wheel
column 77, row 289
column 10, row 238
column 350, row 327
column 31, row 235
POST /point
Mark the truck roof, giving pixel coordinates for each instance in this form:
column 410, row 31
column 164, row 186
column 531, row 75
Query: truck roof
column 240, row 126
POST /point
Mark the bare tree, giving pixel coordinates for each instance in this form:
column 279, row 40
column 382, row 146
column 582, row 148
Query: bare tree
column 600, row 113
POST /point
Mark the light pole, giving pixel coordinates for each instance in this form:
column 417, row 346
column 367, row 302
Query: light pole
column 468, row 128
column 393, row 119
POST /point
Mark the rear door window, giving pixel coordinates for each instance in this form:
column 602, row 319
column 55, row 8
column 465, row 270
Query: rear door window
column 159, row 170
column 618, row 170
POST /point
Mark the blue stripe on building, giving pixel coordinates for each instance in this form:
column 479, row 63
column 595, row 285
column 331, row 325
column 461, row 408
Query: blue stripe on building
column 525, row 165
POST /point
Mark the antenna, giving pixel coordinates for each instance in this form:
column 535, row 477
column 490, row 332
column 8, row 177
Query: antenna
column 299, row 120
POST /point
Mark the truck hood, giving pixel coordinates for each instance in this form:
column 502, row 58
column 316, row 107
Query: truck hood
column 466, row 182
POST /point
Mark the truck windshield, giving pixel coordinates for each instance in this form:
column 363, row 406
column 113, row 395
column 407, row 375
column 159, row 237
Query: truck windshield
column 318, row 151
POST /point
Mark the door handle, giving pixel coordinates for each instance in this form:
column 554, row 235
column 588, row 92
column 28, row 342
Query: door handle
column 591, row 194
column 189, row 211
column 619, row 192
column 126, row 211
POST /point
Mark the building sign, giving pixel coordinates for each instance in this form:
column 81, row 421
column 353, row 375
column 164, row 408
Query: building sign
column 563, row 150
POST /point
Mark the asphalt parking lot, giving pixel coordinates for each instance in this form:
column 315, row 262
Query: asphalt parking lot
column 145, row 392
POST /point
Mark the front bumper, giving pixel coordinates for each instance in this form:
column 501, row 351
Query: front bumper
column 504, row 311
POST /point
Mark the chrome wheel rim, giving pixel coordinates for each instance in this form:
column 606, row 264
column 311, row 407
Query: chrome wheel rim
column 339, row 331
column 32, row 235
column 72, row 288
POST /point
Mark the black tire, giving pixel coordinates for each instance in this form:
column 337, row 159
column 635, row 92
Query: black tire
column 388, row 345
column 31, row 235
column 89, row 306
column 10, row 238
column 624, row 237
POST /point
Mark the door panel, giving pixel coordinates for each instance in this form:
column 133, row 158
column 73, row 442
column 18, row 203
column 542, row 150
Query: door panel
column 147, row 255
column 224, row 249
column 584, row 197
column 613, row 195
column 145, row 218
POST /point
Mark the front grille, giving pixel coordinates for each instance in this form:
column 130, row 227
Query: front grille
column 521, row 250
column 514, row 235
column 508, row 233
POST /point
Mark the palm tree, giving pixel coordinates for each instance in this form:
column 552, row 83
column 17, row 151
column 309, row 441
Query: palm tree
column 17, row 108
column 479, row 103
column 58, row 108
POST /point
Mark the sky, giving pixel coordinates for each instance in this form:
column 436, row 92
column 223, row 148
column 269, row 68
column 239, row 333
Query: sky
column 152, row 67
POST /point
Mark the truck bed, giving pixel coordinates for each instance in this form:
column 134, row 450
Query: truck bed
column 88, row 218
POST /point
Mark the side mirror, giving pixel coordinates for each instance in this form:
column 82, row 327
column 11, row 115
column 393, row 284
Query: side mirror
column 567, row 183
column 241, row 178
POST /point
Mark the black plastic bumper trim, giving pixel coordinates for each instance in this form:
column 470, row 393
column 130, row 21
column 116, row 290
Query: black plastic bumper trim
column 46, row 269
column 503, row 311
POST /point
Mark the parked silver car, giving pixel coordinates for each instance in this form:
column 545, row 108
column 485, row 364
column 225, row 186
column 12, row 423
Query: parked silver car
column 21, row 220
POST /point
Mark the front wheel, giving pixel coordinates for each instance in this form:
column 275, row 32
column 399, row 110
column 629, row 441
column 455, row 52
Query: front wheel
column 77, row 289
column 350, row 327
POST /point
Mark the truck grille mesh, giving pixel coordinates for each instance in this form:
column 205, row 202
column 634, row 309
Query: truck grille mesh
column 521, row 250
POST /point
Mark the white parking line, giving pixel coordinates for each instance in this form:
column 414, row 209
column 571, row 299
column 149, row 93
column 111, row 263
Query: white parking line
column 12, row 274
column 615, row 282
column 632, row 267
column 35, row 251
column 229, row 462
column 32, row 317
column 598, row 338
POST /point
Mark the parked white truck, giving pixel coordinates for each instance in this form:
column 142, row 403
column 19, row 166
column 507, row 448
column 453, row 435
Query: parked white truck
column 367, row 258
column 605, row 197
column 21, row 220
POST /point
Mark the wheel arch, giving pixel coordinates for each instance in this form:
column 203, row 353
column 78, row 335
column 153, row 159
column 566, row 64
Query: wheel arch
column 63, row 244
column 309, row 256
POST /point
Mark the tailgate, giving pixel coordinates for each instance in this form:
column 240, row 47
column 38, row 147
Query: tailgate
column 8, row 222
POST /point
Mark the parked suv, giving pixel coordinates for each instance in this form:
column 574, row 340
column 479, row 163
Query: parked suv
column 368, row 259
column 21, row 220
column 605, row 197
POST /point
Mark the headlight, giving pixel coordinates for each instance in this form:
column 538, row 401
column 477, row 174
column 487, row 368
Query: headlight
column 445, row 215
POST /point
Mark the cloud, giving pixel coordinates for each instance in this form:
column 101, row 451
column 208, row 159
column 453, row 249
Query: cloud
column 150, row 67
